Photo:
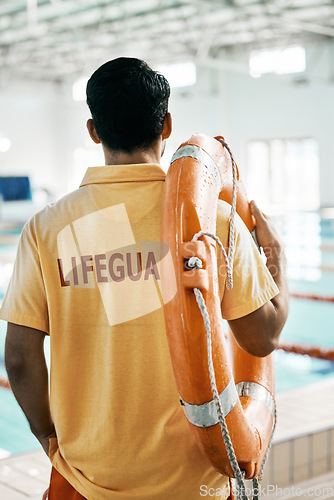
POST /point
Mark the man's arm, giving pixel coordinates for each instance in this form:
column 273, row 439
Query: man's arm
column 28, row 377
column 258, row 332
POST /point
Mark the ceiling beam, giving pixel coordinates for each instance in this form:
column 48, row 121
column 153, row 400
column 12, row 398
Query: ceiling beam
column 307, row 26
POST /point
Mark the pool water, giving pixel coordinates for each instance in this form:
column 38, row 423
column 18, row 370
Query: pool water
column 15, row 435
column 309, row 245
column 309, row 323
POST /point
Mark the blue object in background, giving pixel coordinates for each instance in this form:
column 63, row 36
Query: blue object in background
column 15, row 188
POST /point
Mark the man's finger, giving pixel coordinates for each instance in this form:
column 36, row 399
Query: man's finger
column 256, row 211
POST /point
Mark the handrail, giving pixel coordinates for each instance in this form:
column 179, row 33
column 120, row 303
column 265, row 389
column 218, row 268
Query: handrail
column 310, row 296
column 312, row 351
column 4, row 383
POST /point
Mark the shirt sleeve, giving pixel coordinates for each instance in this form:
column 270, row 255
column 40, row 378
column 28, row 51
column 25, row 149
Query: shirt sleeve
column 25, row 302
column 253, row 284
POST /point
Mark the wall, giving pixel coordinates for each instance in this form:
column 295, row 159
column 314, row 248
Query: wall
column 30, row 117
column 46, row 126
column 243, row 108
column 196, row 109
column 276, row 107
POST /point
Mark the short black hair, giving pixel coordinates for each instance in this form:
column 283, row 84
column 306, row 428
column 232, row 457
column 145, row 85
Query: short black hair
column 128, row 102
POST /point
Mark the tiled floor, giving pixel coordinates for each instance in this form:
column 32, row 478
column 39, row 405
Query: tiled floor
column 320, row 488
column 303, row 445
column 305, row 410
column 24, row 476
column 303, row 449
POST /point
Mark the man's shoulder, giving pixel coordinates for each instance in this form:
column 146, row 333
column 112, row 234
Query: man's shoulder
column 223, row 218
column 223, row 210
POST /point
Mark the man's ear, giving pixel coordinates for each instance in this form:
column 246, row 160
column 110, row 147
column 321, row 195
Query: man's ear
column 167, row 128
column 92, row 131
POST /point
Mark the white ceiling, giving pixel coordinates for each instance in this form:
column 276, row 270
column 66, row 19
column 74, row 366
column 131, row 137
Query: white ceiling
column 56, row 39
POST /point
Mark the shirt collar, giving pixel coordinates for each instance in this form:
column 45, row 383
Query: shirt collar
column 123, row 173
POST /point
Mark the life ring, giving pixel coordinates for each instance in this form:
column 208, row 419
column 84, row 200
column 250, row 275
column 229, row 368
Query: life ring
column 199, row 174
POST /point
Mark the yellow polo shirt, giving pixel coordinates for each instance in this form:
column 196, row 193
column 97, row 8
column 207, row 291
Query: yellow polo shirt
column 88, row 273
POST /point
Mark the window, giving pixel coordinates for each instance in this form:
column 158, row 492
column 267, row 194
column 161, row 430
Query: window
column 283, row 174
column 279, row 61
column 79, row 89
column 5, row 144
column 179, row 74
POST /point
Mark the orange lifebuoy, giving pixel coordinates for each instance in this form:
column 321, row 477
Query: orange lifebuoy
column 200, row 173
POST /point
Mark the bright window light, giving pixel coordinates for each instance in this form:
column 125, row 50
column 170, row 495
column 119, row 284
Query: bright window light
column 79, row 89
column 279, row 61
column 179, row 74
column 283, row 174
column 5, row 144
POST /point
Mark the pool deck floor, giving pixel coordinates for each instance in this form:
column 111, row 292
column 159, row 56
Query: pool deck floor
column 309, row 409
column 24, row 476
column 304, row 410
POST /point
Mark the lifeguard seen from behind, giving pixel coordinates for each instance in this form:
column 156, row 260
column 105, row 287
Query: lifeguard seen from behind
column 88, row 274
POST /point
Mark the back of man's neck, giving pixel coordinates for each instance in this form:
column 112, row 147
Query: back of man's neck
column 124, row 158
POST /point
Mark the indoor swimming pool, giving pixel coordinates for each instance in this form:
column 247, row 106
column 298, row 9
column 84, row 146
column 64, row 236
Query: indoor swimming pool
column 309, row 244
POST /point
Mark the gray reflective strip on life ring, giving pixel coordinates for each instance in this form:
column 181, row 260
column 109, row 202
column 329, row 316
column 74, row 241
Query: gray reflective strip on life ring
column 258, row 392
column 190, row 151
column 206, row 415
